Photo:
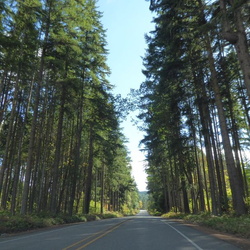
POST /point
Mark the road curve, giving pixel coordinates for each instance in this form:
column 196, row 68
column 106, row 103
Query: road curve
column 143, row 232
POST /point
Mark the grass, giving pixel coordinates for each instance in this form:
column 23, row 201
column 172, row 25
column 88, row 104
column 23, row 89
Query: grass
column 239, row 226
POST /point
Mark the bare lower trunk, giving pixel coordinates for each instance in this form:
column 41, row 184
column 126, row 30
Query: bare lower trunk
column 87, row 197
column 102, row 187
column 54, row 196
column 235, row 184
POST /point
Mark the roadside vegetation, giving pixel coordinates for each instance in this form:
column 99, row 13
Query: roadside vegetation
column 20, row 223
column 237, row 225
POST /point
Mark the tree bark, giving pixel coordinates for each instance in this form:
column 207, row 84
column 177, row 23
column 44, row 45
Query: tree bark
column 102, row 188
column 235, row 184
column 207, row 135
column 78, row 135
column 53, row 205
column 34, row 121
column 87, row 197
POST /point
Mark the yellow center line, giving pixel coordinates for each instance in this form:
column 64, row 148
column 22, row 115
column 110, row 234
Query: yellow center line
column 101, row 234
column 81, row 241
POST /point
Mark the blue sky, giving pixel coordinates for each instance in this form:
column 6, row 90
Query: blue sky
column 126, row 22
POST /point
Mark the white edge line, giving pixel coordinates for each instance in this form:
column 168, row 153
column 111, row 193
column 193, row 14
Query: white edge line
column 183, row 235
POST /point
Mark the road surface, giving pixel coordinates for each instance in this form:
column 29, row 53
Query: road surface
column 141, row 232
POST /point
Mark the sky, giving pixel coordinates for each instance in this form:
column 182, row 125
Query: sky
column 126, row 23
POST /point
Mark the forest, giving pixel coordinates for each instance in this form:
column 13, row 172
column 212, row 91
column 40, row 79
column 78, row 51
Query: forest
column 61, row 146
column 61, row 149
column 195, row 106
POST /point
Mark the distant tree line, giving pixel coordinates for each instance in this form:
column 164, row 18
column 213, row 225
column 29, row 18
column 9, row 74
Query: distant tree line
column 195, row 106
column 143, row 196
column 61, row 148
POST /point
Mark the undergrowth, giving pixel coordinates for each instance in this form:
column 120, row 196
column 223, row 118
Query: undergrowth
column 237, row 225
column 19, row 223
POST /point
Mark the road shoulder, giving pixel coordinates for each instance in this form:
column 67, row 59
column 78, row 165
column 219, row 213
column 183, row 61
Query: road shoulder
column 242, row 243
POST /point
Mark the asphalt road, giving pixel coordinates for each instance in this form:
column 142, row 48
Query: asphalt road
column 141, row 232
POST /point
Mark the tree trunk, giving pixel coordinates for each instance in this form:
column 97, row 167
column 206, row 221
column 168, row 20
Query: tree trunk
column 87, row 197
column 102, row 187
column 236, row 186
column 207, row 134
column 34, row 123
column 78, row 137
column 53, row 205
column 7, row 152
column 200, row 180
column 185, row 196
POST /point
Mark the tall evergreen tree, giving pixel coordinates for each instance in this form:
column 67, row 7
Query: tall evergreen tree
column 180, row 63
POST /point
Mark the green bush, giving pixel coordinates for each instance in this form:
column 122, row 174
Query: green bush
column 18, row 223
column 21, row 223
column 173, row 215
column 154, row 212
column 110, row 215
column 92, row 217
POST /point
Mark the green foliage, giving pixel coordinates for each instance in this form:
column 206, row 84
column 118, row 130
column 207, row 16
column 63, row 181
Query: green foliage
column 92, row 217
column 143, row 196
column 18, row 223
column 128, row 211
column 94, row 207
column 174, row 215
column 154, row 212
column 235, row 225
column 55, row 94
column 110, row 215
column 180, row 109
